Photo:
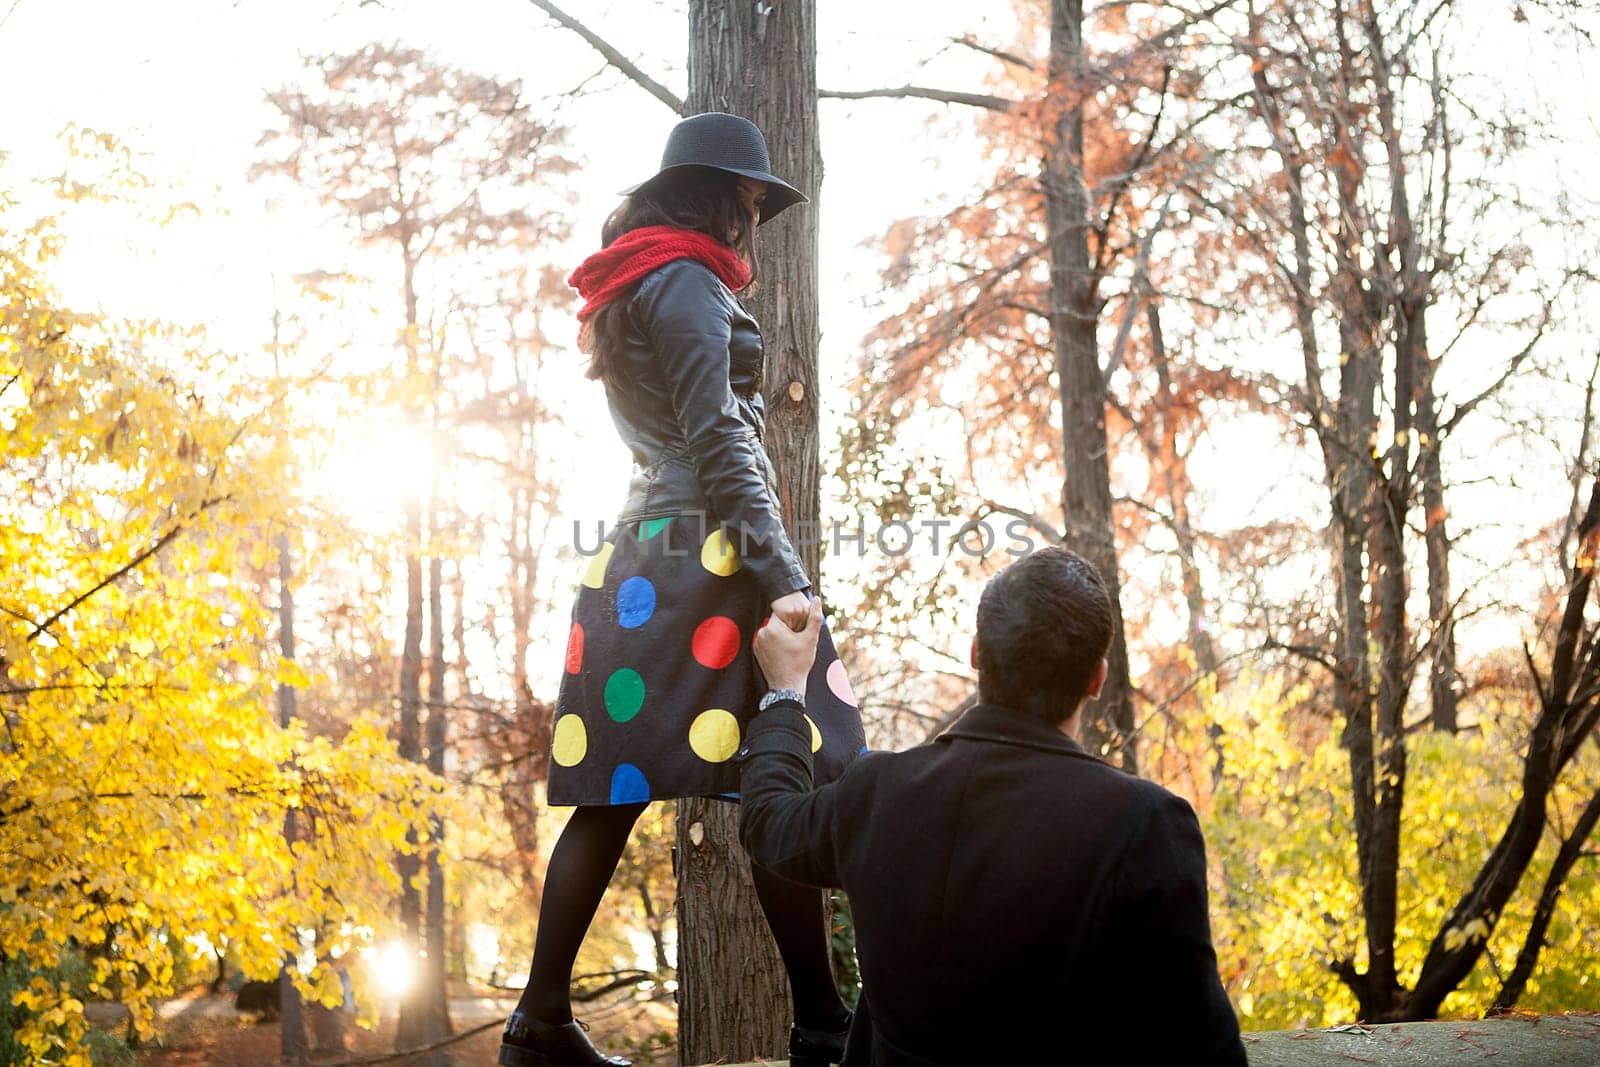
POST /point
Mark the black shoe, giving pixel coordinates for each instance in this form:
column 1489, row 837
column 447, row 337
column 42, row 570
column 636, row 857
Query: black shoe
column 817, row 1048
column 531, row 1043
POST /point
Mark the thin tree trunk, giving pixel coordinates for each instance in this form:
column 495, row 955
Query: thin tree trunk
column 1408, row 299
column 1412, row 295
column 759, row 61
column 1389, row 773
column 292, row 1023
column 1443, row 678
column 1173, row 467
column 531, row 718
column 436, row 1004
column 1351, row 479
column 409, row 1030
column 1361, row 516
column 1086, row 494
column 652, row 922
column 294, row 1047
column 1346, row 426
column 1572, row 848
column 1567, row 717
column 327, row 1024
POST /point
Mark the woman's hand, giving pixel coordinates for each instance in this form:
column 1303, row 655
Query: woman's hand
column 792, row 609
column 785, row 656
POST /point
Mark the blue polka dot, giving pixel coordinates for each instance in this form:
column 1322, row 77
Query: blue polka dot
column 636, row 601
column 863, row 751
column 628, row 785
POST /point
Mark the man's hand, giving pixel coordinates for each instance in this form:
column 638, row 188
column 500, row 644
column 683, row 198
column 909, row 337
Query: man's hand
column 786, row 655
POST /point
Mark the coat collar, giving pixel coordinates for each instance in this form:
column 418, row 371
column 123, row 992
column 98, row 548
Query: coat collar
column 1009, row 726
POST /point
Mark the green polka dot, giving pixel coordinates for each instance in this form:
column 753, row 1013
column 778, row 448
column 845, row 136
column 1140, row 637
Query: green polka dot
column 624, row 694
column 650, row 527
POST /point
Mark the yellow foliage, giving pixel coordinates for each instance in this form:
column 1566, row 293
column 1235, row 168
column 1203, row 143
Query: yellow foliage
column 143, row 781
column 1282, row 845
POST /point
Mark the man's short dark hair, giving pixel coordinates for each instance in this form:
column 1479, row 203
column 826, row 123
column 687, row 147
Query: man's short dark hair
column 1044, row 624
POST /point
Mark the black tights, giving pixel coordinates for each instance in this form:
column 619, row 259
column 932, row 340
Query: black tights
column 581, row 866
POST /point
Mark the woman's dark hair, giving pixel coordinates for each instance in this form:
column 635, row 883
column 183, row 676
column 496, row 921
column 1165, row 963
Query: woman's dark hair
column 695, row 198
column 1044, row 624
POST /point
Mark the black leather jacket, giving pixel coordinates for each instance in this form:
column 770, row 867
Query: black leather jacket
column 685, row 394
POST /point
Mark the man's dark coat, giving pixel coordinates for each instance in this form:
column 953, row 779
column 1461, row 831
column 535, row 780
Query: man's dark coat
column 1016, row 900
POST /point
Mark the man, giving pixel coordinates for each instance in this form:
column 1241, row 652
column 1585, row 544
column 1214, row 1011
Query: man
column 1016, row 900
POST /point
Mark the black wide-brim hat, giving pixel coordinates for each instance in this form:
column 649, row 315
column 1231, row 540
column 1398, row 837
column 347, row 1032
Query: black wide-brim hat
column 725, row 142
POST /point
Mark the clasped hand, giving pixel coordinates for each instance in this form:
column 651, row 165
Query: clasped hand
column 785, row 652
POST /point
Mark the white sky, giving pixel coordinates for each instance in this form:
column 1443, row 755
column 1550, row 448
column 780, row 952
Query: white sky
column 184, row 80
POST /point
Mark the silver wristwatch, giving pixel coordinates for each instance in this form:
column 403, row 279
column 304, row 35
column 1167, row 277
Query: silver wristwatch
column 772, row 696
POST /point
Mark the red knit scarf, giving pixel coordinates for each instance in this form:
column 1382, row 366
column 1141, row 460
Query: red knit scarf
column 606, row 274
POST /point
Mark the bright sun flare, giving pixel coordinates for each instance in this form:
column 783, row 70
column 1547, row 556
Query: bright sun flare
column 375, row 468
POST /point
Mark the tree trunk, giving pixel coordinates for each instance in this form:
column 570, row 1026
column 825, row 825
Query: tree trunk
column 291, row 1015
column 1346, row 427
column 1571, row 849
column 759, row 61
column 653, row 923
column 1443, row 677
column 1389, row 771
column 1361, row 510
column 294, row 1049
column 527, row 763
column 1403, row 288
column 1412, row 296
column 1567, row 717
column 1173, row 468
column 733, row 996
column 327, row 1024
column 1074, row 320
column 409, row 1030
column 436, row 1004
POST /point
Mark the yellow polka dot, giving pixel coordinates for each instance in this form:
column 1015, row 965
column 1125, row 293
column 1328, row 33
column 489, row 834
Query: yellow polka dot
column 816, row 734
column 717, row 555
column 594, row 575
column 714, row 735
column 571, row 742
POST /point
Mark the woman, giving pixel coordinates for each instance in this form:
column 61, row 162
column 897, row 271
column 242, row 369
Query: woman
column 659, row 676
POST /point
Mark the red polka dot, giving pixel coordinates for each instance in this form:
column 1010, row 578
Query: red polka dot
column 575, row 648
column 758, row 629
column 716, row 642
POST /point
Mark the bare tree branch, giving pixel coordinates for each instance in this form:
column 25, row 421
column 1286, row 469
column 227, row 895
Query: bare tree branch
column 1306, row 652
column 614, row 57
column 1533, row 943
column 948, row 719
column 943, row 96
column 1050, row 533
column 1465, row 409
column 998, row 53
column 155, row 546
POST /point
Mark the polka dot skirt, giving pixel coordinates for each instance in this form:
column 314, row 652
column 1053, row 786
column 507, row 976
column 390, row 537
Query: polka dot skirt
column 660, row 681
